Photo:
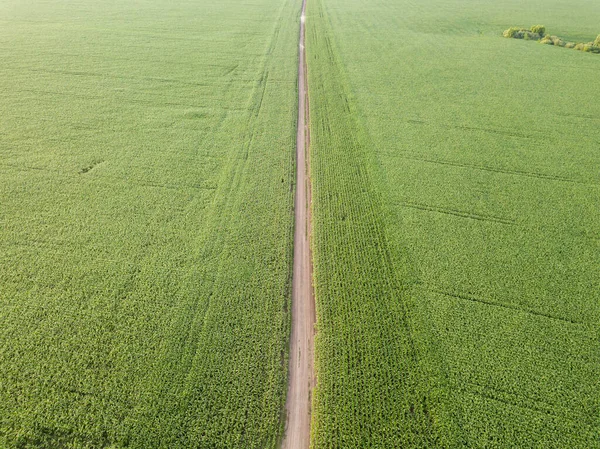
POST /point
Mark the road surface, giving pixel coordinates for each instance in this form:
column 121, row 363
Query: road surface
column 301, row 372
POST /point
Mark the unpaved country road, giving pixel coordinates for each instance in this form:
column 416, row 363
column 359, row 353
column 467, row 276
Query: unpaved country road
column 301, row 372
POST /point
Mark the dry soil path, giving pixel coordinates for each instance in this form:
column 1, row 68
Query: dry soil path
column 301, row 372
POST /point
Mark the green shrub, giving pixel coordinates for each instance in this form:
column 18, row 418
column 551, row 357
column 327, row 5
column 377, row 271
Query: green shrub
column 593, row 49
column 533, row 36
column 539, row 29
column 538, row 32
column 589, row 47
column 510, row 33
column 517, row 33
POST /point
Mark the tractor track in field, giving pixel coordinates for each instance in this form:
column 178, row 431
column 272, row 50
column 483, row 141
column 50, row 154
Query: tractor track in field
column 301, row 362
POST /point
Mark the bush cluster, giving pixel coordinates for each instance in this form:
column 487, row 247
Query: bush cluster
column 538, row 32
column 589, row 47
column 522, row 33
column 555, row 40
column 539, row 29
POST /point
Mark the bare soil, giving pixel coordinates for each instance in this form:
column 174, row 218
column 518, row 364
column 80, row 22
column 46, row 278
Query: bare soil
column 301, row 369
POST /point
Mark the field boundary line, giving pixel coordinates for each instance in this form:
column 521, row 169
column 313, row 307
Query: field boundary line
column 509, row 306
column 504, row 171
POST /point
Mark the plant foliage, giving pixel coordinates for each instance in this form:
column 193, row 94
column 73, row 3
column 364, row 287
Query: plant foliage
column 537, row 32
column 460, row 191
column 146, row 207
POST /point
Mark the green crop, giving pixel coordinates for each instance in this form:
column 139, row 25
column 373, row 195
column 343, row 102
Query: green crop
column 372, row 390
column 146, row 216
column 146, row 207
column 456, row 222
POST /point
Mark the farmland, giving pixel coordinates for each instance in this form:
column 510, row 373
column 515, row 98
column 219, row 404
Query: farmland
column 146, row 218
column 456, row 216
column 173, row 173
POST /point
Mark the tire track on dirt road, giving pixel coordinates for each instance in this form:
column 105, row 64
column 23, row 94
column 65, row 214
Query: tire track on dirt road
column 301, row 365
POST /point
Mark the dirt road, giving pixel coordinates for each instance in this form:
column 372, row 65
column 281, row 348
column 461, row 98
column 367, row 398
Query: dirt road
column 301, row 372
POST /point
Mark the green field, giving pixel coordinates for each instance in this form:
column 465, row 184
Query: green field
column 457, row 218
column 146, row 199
column 147, row 173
